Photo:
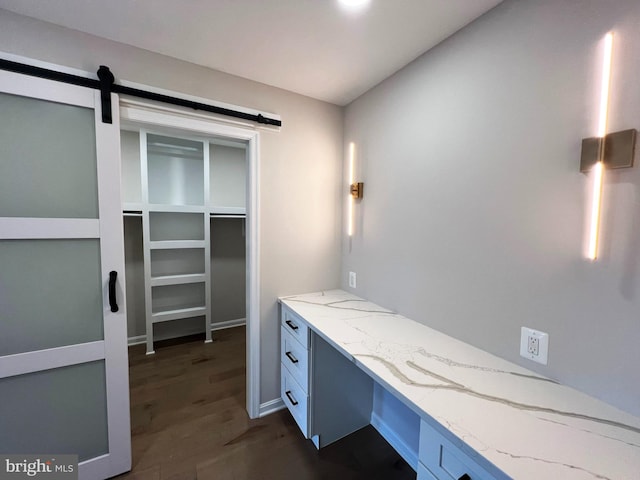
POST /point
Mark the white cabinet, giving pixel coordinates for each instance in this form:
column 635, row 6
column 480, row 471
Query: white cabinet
column 177, row 185
column 328, row 396
column 295, row 357
column 441, row 459
column 294, row 368
column 295, row 326
column 296, row 399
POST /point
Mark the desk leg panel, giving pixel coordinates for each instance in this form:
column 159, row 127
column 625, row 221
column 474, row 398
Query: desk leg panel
column 341, row 395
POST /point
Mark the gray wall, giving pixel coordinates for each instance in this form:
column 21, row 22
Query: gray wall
column 474, row 213
column 300, row 165
column 134, row 266
column 228, row 269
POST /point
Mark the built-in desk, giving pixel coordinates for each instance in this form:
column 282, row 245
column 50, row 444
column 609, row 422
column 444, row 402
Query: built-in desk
column 450, row 409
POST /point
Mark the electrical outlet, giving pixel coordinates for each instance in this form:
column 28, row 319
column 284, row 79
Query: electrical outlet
column 534, row 345
column 352, row 279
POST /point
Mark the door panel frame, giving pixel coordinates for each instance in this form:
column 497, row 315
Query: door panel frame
column 108, row 228
column 42, row 89
column 49, row 228
column 29, row 362
column 115, row 324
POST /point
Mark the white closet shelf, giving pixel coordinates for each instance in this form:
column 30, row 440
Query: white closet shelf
column 169, row 315
column 132, row 206
column 227, row 210
column 168, row 244
column 176, row 208
column 178, row 279
column 132, row 213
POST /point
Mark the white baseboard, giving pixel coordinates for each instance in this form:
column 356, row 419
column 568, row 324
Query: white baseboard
column 136, row 340
column 399, row 445
column 214, row 326
column 271, row 406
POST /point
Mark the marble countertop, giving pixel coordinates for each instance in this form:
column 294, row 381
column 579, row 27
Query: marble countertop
column 528, row 426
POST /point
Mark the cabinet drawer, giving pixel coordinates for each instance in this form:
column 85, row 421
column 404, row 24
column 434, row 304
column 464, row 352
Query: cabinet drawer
column 293, row 324
column 295, row 358
column 445, row 460
column 296, row 400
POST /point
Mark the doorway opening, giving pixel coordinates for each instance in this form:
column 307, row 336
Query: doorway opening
column 213, row 283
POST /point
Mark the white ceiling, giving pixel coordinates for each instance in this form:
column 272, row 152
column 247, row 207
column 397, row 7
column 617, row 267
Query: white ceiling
column 312, row 47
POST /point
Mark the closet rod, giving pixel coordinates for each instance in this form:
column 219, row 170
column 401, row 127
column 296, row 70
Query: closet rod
column 106, row 86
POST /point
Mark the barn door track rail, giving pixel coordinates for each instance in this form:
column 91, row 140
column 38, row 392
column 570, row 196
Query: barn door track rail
column 106, row 84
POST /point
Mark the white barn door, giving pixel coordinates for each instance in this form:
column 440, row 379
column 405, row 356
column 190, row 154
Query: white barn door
column 63, row 349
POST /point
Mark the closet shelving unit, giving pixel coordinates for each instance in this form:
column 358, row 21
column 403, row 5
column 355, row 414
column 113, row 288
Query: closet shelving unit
column 182, row 189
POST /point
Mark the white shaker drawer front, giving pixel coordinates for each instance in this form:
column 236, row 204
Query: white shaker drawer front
column 445, row 460
column 295, row 326
column 295, row 358
column 296, row 400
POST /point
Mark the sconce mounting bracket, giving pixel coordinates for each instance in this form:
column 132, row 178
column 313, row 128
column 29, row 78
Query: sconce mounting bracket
column 356, row 189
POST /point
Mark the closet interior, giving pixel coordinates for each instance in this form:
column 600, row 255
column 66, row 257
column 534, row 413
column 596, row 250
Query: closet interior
column 185, row 244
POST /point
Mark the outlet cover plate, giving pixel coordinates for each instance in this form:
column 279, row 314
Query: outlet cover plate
column 530, row 340
column 352, row 279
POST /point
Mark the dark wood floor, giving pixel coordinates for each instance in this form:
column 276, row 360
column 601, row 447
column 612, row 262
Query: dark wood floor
column 189, row 422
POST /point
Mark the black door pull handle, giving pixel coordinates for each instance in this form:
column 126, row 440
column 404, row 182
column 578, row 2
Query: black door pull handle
column 112, row 291
column 292, row 326
column 291, row 399
column 465, row 477
column 291, row 357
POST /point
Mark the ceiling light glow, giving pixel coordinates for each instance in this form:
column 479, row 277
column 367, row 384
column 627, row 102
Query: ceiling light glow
column 353, row 4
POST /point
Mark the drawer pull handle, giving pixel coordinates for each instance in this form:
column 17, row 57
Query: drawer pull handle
column 291, row 399
column 465, row 477
column 292, row 326
column 291, row 357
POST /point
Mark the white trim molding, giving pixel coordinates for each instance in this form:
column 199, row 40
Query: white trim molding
column 138, row 339
column 272, row 406
column 168, row 117
column 252, row 225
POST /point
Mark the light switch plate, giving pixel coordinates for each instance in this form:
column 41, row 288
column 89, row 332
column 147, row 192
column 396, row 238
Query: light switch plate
column 534, row 345
column 352, row 279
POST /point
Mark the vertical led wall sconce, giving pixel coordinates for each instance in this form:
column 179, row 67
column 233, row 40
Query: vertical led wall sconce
column 604, row 151
column 355, row 188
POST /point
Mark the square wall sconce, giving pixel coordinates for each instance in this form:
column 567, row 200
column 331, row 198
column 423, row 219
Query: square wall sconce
column 615, row 149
